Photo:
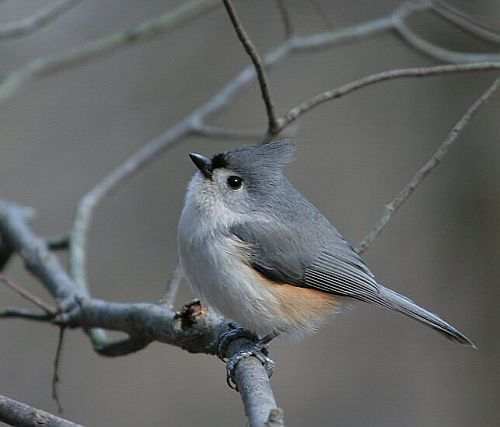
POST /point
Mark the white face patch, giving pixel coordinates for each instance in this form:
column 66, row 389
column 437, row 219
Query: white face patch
column 206, row 207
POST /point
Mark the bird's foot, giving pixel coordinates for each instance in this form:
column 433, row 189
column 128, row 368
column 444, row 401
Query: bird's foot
column 256, row 349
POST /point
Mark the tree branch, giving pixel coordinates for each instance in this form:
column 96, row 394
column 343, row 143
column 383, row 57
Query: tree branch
column 464, row 21
column 40, row 19
column 50, row 311
column 19, row 414
column 304, row 107
column 427, row 168
column 257, row 63
column 195, row 329
column 22, row 313
column 101, row 47
column 400, row 17
column 285, row 18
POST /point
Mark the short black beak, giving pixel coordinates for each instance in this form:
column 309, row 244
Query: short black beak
column 203, row 163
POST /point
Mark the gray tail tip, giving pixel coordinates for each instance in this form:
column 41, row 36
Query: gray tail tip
column 460, row 338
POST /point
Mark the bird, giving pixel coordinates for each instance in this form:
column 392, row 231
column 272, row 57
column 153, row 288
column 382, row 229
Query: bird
column 255, row 250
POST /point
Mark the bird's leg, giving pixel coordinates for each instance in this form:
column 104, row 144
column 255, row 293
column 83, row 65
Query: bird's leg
column 257, row 349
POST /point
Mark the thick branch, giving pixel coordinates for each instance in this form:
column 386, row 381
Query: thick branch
column 40, row 19
column 37, row 258
column 19, row 414
column 427, row 168
column 195, row 329
column 257, row 63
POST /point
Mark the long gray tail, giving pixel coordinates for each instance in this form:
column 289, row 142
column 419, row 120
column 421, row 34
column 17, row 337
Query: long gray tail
column 406, row 306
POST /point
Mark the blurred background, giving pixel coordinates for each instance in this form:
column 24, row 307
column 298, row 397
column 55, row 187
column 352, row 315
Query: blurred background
column 61, row 135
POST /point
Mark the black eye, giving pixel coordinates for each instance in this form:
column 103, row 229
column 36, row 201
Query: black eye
column 234, row 182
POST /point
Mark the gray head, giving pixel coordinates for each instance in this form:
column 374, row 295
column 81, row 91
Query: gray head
column 240, row 180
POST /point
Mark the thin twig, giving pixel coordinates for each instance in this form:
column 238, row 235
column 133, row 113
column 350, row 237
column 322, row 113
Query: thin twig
column 313, row 102
column 28, row 296
column 464, row 21
column 23, row 313
column 101, row 47
column 285, row 18
column 15, row 413
column 427, row 168
column 257, row 63
column 400, row 17
column 57, row 365
column 40, row 19
column 173, row 287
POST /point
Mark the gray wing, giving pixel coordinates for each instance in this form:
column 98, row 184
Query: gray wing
column 324, row 262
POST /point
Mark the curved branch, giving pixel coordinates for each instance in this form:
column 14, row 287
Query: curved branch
column 464, row 21
column 427, row 168
column 304, row 107
column 40, row 19
column 101, row 47
column 401, row 15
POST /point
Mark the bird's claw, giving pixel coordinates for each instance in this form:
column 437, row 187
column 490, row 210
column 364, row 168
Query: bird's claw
column 257, row 350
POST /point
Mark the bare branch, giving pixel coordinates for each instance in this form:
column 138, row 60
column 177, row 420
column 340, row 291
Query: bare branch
column 28, row 296
column 195, row 330
column 19, row 414
column 285, row 17
column 95, row 49
column 57, row 365
column 89, row 201
column 464, row 21
column 307, row 105
column 124, row 347
column 40, row 19
column 403, row 30
column 344, row 35
column 22, row 313
column 257, row 63
column 37, row 258
column 427, row 168
column 173, row 287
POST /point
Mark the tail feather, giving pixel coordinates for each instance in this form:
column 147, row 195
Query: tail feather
column 406, row 306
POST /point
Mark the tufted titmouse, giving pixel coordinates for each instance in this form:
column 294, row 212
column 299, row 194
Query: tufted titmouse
column 256, row 250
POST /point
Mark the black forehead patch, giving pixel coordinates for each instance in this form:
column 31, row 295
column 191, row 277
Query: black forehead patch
column 219, row 161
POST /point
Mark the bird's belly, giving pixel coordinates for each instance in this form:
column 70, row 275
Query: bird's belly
column 222, row 279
